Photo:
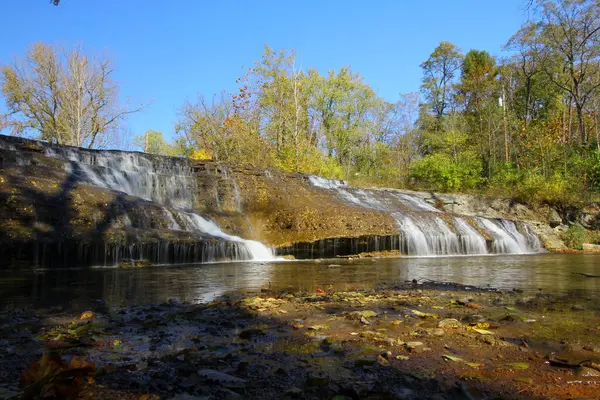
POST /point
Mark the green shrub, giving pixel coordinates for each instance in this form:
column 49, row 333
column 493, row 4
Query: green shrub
column 575, row 236
column 440, row 172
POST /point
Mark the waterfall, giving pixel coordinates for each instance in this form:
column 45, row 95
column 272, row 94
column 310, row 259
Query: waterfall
column 471, row 241
column 416, row 242
column 503, row 241
column 167, row 181
column 172, row 223
column 164, row 180
column 425, row 233
column 534, row 242
column 416, row 203
column 257, row 250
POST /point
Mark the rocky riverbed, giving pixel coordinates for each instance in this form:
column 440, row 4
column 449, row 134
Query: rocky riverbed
column 410, row 340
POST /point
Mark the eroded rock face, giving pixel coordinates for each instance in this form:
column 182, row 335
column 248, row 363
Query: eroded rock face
column 43, row 201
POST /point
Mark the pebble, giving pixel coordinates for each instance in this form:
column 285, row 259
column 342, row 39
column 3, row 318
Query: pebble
column 473, row 318
column 449, row 323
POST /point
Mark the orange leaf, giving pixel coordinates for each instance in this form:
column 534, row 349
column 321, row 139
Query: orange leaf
column 48, row 365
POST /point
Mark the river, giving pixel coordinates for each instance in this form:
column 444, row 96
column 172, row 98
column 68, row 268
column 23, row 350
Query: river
column 79, row 289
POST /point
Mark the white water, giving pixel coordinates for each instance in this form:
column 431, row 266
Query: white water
column 534, row 241
column 503, row 242
column 417, row 203
column 257, row 250
column 325, row 183
column 172, row 223
column 166, row 181
column 424, row 233
column 471, row 240
column 416, row 242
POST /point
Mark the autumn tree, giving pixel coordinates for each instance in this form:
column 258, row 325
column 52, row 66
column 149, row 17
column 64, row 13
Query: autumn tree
column 439, row 73
column 154, row 142
column 570, row 33
column 63, row 97
column 215, row 130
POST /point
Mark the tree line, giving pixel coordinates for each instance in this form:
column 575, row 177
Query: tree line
column 526, row 124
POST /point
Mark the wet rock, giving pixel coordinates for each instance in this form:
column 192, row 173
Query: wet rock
column 511, row 318
column 294, row 393
column 6, row 394
column 382, row 361
column 227, row 394
column 574, row 347
column 248, row 334
column 435, row 332
column 357, row 315
column 317, row 379
column 362, row 362
column 593, row 349
column 414, row 347
column 585, row 372
column 473, row 318
column 221, row 378
column 185, row 396
column 449, row 323
column 590, row 247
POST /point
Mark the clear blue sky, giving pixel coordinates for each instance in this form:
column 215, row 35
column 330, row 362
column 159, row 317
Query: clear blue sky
column 170, row 51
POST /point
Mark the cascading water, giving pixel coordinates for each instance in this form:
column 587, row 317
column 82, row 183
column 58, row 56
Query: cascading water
column 503, row 241
column 425, row 233
column 166, row 181
column 471, row 241
column 163, row 180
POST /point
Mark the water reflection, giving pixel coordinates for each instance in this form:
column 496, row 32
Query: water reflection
column 79, row 289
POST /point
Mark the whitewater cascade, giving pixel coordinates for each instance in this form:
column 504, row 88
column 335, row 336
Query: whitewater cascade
column 427, row 231
column 167, row 181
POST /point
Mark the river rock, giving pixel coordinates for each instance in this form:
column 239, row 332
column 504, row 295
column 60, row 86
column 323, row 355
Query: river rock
column 222, row 378
column 593, row 349
column 591, row 247
column 436, row 332
column 585, row 372
column 415, row 347
column 317, row 379
column 449, row 323
column 473, row 318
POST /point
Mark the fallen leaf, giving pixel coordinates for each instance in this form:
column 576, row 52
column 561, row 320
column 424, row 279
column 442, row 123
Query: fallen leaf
column 86, row 315
column 518, row 365
column 424, row 315
column 483, row 331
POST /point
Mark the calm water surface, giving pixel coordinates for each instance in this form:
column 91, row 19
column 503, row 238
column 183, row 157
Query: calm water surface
column 79, row 289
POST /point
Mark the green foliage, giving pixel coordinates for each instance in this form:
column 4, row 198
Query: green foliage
column 556, row 189
column 440, row 172
column 154, row 142
column 575, row 236
column 594, row 168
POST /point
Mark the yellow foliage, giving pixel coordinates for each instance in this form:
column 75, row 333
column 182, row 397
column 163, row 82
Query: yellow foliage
column 201, row 154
